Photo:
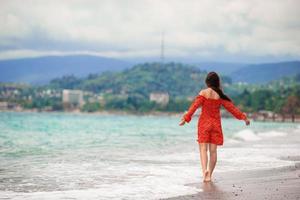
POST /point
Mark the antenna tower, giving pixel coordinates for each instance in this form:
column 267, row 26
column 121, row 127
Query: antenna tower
column 162, row 50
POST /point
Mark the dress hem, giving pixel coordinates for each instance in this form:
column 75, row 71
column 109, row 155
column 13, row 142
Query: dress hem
column 219, row 144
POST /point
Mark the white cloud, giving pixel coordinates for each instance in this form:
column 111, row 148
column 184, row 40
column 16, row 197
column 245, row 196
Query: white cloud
column 132, row 28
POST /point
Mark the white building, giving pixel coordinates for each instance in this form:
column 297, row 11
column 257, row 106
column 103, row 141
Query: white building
column 73, row 97
column 3, row 105
column 160, row 97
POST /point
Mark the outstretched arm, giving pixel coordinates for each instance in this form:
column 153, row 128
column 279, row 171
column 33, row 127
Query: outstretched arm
column 230, row 107
column 197, row 102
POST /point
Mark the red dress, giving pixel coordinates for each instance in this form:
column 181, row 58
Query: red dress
column 209, row 122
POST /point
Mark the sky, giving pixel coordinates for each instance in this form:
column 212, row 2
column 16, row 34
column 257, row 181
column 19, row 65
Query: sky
column 195, row 30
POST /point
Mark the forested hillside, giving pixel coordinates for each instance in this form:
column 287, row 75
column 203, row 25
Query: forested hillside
column 177, row 79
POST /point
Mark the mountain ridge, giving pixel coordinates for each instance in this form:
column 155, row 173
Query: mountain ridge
column 42, row 69
column 266, row 72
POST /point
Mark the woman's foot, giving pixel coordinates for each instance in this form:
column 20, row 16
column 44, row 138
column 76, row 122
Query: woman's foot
column 206, row 177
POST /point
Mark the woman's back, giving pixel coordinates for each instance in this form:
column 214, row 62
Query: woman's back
column 210, row 105
column 211, row 102
column 209, row 93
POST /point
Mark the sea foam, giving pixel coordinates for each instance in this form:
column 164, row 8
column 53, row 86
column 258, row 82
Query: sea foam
column 250, row 135
column 246, row 135
column 269, row 134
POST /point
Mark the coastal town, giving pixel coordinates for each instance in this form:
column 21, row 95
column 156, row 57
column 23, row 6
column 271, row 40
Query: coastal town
column 69, row 100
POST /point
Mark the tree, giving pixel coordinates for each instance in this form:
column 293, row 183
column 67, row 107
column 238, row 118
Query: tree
column 91, row 107
column 291, row 106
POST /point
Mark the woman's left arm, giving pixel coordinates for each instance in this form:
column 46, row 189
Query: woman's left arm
column 235, row 111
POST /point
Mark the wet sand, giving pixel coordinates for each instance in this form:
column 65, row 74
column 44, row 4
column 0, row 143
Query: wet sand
column 282, row 183
column 272, row 183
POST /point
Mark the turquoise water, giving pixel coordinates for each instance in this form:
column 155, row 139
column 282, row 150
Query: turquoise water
column 46, row 133
column 111, row 156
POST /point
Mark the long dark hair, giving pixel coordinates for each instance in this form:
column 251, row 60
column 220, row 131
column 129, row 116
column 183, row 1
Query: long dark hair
column 213, row 81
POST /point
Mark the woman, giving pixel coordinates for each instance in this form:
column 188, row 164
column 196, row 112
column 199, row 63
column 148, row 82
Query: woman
column 209, row 124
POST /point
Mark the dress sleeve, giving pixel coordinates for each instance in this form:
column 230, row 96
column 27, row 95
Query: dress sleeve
column 197, row 102
column 230, row 107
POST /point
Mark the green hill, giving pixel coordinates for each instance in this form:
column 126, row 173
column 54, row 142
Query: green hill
column 177, row 79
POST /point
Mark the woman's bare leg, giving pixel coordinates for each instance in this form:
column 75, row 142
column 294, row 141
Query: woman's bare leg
column 212, row 158
column 203, row 156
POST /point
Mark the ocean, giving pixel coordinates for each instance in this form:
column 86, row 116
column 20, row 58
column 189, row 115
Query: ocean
column 89, row 156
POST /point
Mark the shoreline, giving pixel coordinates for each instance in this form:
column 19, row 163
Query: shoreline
column 104, row 112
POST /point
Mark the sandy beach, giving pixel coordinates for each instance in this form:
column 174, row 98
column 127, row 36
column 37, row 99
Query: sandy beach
column 269, row 183
column 282, row 183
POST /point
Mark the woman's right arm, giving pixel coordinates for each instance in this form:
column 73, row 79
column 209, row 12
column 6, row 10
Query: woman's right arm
column 197, row 102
